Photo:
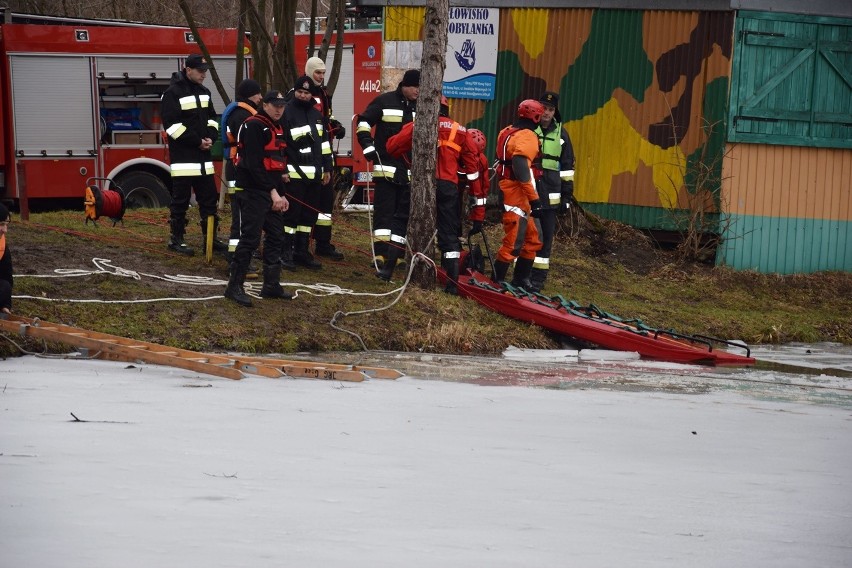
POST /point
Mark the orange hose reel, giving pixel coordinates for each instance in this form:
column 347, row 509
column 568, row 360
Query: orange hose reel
column 103, row 202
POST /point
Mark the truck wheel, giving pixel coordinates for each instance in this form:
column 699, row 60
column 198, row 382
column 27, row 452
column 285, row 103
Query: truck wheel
column 142, row 189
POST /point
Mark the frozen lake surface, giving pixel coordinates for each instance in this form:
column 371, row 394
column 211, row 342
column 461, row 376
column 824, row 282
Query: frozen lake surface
column 614, row 462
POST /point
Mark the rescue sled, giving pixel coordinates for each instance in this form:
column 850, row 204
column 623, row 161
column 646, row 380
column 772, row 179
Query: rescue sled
column 593, row 325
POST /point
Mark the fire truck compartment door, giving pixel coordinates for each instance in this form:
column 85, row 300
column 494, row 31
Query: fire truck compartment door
column 226, row 67
column 343, row 100
column 52, row 105
column 137, row 67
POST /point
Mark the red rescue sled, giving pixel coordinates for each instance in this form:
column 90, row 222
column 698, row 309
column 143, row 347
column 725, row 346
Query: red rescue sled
column 590, row 324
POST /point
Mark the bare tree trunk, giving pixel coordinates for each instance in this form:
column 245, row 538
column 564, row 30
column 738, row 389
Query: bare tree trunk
column 340, row 24
column 190, row 20
column 330, row 22
column 260, row 56
column 241, row 38
column 313, row 22
column 421, row 226
column 285, row 20
column 259, row 27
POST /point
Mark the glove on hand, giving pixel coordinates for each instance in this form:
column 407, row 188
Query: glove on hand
column 476, row 229
column 372, row 156
column 337, row 128
column 567, row 195
column 535, row 208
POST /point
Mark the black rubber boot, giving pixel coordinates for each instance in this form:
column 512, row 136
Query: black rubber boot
column 326, row 249
column 451, row 267
column 500, row 270
column 287, row 253
column 272, row 283
column 218, row 245
column 380, row 250
column 301, row 254
column 521, row 275
column 537, row 278
column 235, row 290
column 386, row 271
column 177, row 228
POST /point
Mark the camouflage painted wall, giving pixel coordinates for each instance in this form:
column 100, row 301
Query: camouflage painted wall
column 642, row 95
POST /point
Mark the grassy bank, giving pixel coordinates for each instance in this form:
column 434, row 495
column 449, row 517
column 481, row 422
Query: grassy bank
column 613, row 267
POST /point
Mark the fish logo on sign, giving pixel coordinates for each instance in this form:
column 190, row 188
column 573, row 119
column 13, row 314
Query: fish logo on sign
column 467, row 57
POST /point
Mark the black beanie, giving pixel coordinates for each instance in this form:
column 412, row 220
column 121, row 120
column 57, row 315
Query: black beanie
column 4, row 213
column 411, row 78
column 248, row 88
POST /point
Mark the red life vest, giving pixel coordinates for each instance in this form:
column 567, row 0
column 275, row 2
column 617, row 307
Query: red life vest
column 504, row 164
column 273, row 153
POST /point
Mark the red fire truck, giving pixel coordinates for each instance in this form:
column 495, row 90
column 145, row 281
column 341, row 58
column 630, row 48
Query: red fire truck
column 80, row 99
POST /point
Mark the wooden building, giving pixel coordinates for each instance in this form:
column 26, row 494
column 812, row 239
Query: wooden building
column 732, row 118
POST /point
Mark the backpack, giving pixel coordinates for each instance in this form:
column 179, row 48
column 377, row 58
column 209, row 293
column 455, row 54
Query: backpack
column 223, row 122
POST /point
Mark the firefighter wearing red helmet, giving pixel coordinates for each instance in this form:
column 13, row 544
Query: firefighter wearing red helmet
column 517, row 149
column 478, row 138
column 456, row 153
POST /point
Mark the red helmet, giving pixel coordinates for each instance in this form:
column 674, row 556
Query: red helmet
column 532, row 109
column 478, row 138
column 444, row 101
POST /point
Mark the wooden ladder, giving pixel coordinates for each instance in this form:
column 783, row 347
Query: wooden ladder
column 116, row 348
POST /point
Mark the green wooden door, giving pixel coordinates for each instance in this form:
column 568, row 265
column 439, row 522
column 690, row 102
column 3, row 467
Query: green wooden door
column 792, row 80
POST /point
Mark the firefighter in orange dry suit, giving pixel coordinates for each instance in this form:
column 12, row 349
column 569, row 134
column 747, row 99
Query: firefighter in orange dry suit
column 456, row 153
column 517, row 148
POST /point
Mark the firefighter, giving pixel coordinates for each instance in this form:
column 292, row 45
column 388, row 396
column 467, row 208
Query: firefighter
column 261, row 172
column 554, row 180
column 309, row 164
column 388, row 113
column 456, row 153
column 517, row 149
column 6, row 280
column 315, row 69
column 246, row 103
column 189, row 120
column 478, row 200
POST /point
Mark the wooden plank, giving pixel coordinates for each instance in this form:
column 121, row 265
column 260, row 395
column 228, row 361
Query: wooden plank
column 122, row 348
column 120, row 351
column 324, row 373
column 369, row 372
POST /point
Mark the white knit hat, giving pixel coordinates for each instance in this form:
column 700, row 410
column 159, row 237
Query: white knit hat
column 314, row 64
